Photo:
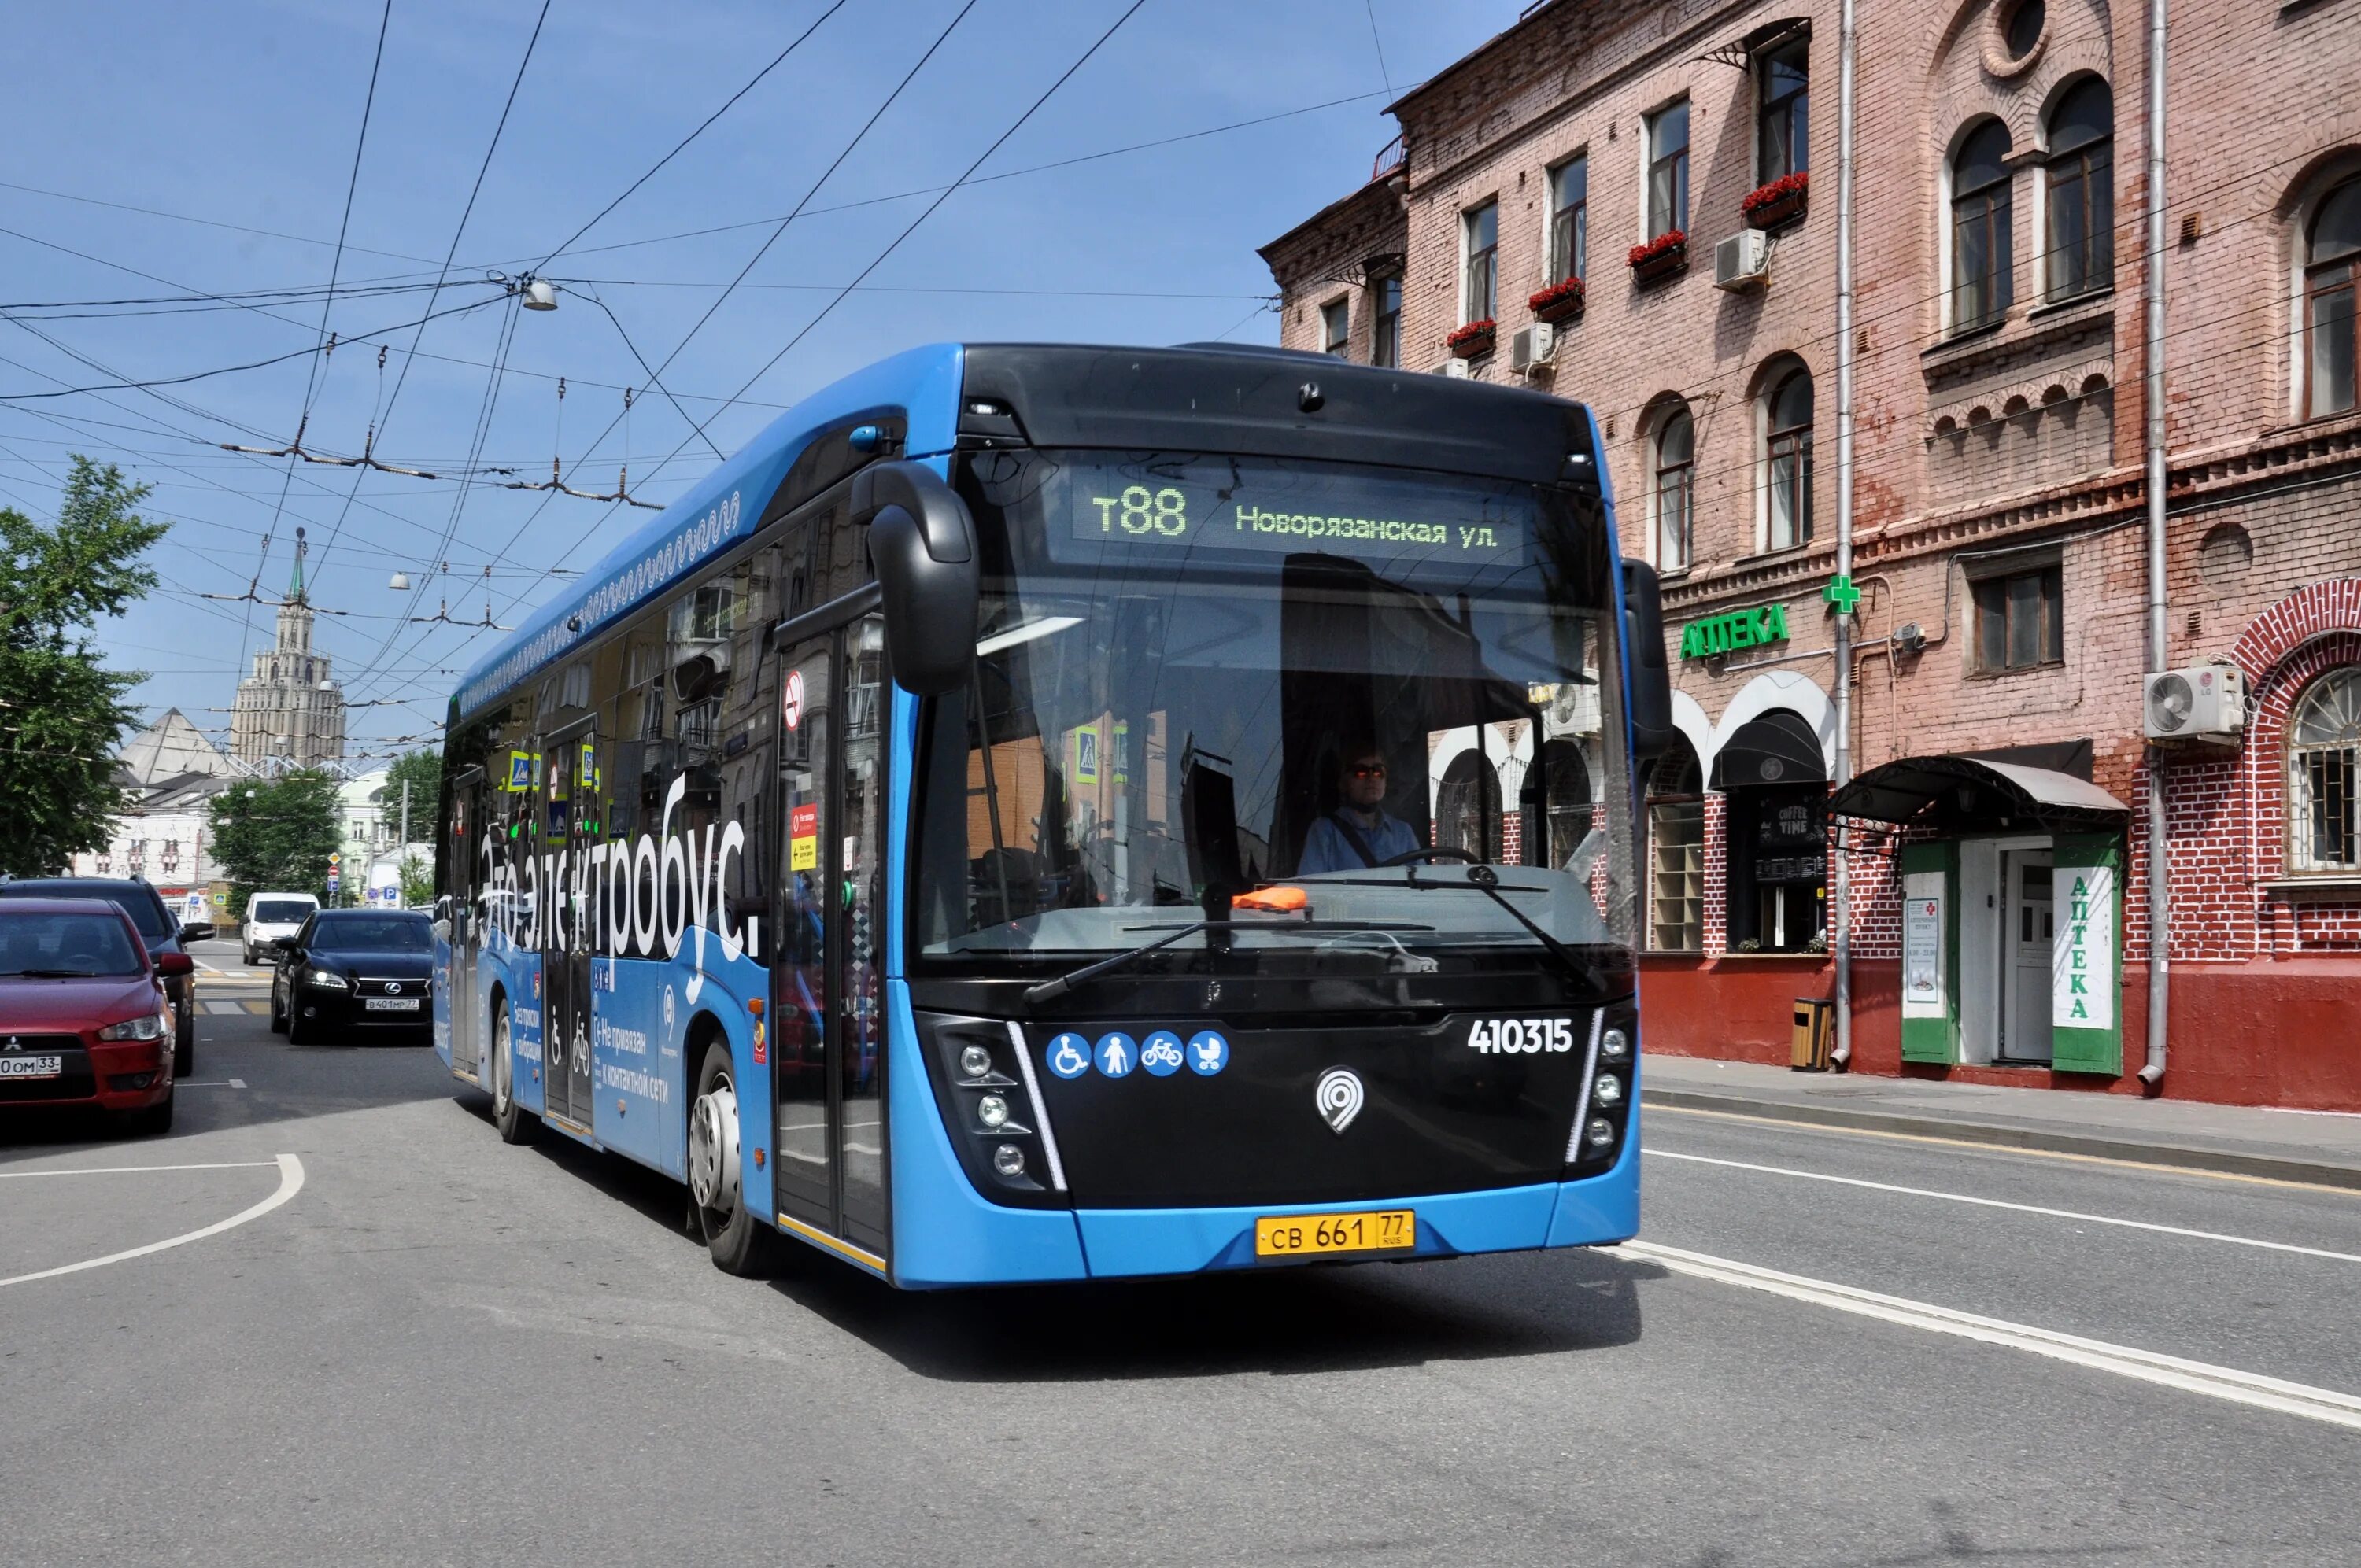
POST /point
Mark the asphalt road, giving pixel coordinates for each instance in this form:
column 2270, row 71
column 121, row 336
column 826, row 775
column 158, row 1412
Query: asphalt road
column 442, row 1349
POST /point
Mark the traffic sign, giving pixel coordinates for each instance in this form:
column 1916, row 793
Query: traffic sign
column 335, row 860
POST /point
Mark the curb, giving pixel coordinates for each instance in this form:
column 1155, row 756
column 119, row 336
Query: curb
column 2182, row 1156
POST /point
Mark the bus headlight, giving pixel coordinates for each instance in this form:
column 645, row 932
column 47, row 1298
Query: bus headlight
column 993, row 1112
column 1601, row 1133
column 1008, row 1160
column 1615, row 1046
column 974, row 1061
column 1608, row 1092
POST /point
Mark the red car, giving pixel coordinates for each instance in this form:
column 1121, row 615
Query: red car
column 85, row 1020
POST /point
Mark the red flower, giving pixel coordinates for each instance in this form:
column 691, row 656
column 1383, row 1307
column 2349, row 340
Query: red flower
column 1670, row 240
column 1471, row 332
column 1777, row 191
column 1566, row 289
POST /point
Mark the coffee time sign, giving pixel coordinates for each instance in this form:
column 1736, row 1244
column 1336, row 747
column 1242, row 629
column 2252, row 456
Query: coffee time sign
column 2082, row 960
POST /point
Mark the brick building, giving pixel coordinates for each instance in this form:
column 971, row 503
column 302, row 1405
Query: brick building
column 1550, row 212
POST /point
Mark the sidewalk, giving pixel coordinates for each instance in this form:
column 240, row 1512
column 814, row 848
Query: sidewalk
column 2290, row 1146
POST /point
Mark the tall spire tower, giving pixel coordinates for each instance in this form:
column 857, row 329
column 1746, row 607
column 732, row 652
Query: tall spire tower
column 290, row 710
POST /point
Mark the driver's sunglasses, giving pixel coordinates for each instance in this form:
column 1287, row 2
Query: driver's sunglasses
column 1368, row 770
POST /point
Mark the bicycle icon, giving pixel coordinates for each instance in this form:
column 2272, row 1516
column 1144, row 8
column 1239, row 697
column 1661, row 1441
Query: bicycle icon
column 1160, row 1053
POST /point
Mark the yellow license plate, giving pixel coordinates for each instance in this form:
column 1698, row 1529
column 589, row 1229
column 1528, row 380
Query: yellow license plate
column 1315, row 1236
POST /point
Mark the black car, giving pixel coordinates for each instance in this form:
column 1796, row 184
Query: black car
column 157, row 928
column 354, row 972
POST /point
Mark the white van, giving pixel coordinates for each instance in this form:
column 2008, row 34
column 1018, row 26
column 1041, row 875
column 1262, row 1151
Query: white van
column 270, row 915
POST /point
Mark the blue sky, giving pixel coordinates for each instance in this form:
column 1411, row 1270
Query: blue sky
column 247, row 117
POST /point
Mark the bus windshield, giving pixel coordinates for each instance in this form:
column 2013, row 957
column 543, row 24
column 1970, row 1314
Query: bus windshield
column 1276, row 696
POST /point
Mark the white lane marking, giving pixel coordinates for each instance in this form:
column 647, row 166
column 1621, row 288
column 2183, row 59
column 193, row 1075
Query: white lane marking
column 213, row 1083
column 136, row 1169
column 290, row 1182
column 2124, row 1361
column 2019, row 1208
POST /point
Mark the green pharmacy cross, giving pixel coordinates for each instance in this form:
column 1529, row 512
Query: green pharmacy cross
column 1842, row 593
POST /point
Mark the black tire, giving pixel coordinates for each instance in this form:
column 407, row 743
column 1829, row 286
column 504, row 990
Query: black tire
column 278, row 1014
column 298, row 1032
column 184, row 1043
column 516, row 1124
column 740, row 1244
column 152, row 1123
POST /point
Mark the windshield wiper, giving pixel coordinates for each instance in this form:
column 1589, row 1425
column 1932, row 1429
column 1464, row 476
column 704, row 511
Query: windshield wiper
column 55, row 974
column 1050, row 989
column 1487, row 880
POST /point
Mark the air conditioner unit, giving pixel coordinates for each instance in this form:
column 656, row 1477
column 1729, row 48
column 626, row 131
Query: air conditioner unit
column 1743, row 261
column 1455, row 367
column 2206, row 703
column 1531, row 347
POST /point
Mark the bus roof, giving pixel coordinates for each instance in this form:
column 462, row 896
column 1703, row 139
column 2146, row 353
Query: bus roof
column 723, row 508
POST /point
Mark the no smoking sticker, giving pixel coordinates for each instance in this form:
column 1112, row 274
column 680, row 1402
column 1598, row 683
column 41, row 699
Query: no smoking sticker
column 791, row 701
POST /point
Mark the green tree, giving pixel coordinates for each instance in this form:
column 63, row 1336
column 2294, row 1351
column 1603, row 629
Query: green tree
column 276, row 835
column 423, row 771
column 62, row 712
column 417, row 881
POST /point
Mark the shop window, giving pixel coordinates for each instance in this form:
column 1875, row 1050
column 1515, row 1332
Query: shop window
column 1668, row 171
column 1569, row 220
column 1980, row 259
column 1782, row 112
column 2080, row 176
column 1480, row 295
column 1773, row 781
column 1787, row 461
column 2332, row 326
column 1385, row 322
column 2019, row 621
column 1675, row 490
column 1676, row 853
column 1337, row 328
column 1467, row 809
column 2324, row 768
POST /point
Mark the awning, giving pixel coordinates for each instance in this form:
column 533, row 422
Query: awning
column 1774, row 748
column 1974, row 793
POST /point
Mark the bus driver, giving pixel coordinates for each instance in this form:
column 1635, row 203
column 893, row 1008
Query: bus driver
column 1360, row 832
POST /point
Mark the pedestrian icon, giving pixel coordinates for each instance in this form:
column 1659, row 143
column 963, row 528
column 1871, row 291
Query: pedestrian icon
column 1160, row 1053
column 1070, row 1055
column 1208, row 1053
column 1119, row 1053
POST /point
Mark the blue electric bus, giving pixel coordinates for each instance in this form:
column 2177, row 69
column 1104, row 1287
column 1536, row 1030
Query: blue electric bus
column 1047, row 812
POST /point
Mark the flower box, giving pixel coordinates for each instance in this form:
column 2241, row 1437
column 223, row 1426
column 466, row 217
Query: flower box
column 1475, row 339
column 1661, row 258
column 1777, row 204
column 1561, row 302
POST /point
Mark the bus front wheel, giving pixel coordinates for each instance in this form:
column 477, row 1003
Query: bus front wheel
column 515, row 1127
column 740, row 1242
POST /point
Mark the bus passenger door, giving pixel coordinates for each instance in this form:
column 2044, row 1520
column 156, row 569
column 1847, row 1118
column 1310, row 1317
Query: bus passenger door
column 800, row 1009
column 860, row 945
column 462, row 856
column 569, row 819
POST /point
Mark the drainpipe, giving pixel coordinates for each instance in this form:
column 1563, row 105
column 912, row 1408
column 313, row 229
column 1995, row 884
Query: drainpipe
column 1840, row 905
column 2159, row 905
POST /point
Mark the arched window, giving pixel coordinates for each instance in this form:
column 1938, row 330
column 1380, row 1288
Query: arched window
column 2332, row 279
column 1567, row 781
column 1787, row 429
column 2324, row 767
column 1980, row 261
column 1677, row 852
column 1676, row 489
column 1467, row 809
column 2081, row 179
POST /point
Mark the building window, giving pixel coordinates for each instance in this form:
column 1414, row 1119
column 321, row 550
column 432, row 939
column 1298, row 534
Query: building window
column 1337, row 328
column 1569, row 244
column 1668, row 171
column 1480, row 290
column 1467, row 809
column 1676, row 853
column 2019, row 624
column 1675, row 490
column 1567, row 799
column 2083, row 191
column 2332, row 326
column 1385, row 322
column 1787, row 451
column 2324, row 776
column 2023, row 30
column 1783, row 114
column 1981, row 262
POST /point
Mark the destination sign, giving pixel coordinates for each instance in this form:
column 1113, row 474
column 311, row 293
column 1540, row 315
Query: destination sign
column 1217, row 504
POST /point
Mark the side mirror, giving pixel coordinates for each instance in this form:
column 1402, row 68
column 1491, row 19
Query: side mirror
column 284, row 944
column 171, row 966
column 1643, row 650
column 197, row 931
column 923, row 544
